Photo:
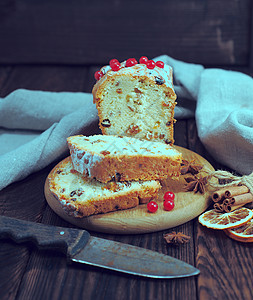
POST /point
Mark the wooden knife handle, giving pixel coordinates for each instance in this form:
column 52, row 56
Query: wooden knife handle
column 67, row 240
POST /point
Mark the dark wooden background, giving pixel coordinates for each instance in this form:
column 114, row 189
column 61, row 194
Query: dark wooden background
column 57, row 45
column 210, row 32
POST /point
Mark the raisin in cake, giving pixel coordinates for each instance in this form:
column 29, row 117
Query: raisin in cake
column 136, row 99
column 121, row 158
column 82, row 197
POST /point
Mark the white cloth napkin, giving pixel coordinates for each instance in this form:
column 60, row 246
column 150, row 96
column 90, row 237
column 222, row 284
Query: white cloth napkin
column 34, row 125
column 224, row 111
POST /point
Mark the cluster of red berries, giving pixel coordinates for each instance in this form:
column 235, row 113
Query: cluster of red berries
column 168, row 203
column 150, row 63
column 115, row 65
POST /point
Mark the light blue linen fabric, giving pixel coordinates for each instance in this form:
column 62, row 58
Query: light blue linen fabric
column 34, row 125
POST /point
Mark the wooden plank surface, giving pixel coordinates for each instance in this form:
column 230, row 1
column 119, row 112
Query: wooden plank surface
column 54, row 79
column 210, row 32
column 26, row 273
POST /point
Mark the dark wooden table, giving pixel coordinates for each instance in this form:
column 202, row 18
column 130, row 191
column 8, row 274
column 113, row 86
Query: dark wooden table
column 25, row 273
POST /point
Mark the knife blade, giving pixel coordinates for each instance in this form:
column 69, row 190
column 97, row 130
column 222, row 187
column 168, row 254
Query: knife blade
column 80, row 247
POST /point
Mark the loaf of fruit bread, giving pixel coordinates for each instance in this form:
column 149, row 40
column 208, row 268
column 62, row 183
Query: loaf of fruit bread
column 122, row 158
column 136, row 99
column 80, row 196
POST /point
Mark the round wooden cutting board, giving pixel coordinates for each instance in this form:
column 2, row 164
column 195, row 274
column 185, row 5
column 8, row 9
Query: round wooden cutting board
column 188, row 205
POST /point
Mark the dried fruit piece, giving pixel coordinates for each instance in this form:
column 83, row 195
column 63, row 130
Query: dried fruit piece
column 168, row 142
column 106, row 123
column 243, row 233
column 217, row 220
column 77, row 192
column 137, row 91
column 159, row 80
column 72, row 193
column 119, row 91
column 133, row 129
column 105, row 152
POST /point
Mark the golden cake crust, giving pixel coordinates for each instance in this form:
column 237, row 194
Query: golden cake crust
column 128, row 158
column 69, row 188
column 152, row 94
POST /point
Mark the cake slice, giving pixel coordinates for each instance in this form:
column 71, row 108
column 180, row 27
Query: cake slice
column 121, row 158
column 81, row 196
column 137, row 100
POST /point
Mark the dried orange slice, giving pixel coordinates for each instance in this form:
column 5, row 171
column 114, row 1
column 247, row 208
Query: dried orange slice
column 243, row 233
column 233, row 219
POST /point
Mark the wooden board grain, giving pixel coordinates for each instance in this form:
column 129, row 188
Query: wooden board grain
column 188, row 205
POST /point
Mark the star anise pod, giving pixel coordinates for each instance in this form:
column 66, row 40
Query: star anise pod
column 176, row 238
column 196, row 184
column 190, row 167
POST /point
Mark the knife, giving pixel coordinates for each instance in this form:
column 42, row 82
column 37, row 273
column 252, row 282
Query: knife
column 80, row 247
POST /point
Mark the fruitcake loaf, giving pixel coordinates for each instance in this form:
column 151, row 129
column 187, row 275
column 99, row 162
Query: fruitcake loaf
column 122, row 158
column 136, row 99
column 81, row 196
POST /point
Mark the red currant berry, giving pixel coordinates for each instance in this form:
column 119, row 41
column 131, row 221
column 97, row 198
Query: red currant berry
column 114, row 64
column 160, row 64
column 112, row 61
column 152, row 206
column 143, row 60
column 98, row 75
column 131, row 62
column 168, row 205
column 150, row 64
column 169, row 196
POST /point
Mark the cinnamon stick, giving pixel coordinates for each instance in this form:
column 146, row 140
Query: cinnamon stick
column 229, row 201
column 243, row 199
column 227, row 192
column 218, row 207
column 233, row 203
column 219, row 195
column 236, row 206
column 236, row 190
column 237, row 201
column 227, row 204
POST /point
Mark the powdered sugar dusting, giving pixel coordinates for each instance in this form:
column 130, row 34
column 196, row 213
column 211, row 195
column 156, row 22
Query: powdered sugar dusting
column 90, row 150
column 84, row 161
